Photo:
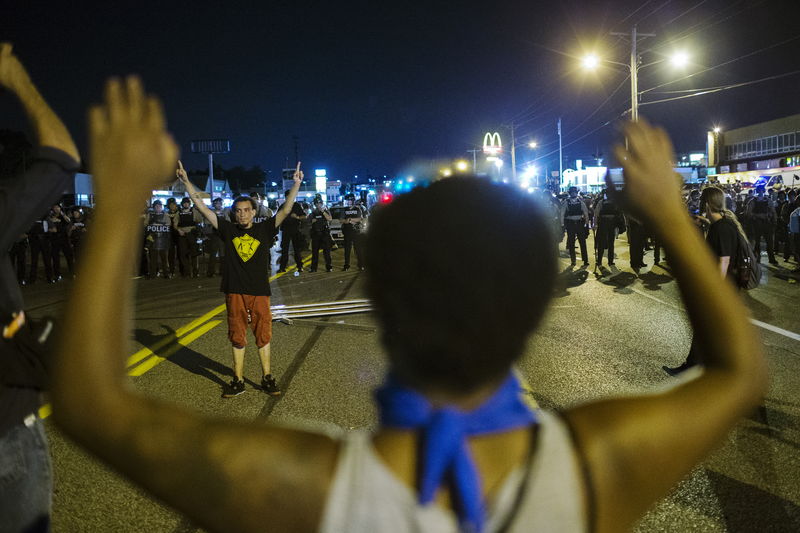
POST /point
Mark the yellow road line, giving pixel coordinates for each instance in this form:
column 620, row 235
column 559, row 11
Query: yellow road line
column 183, row 341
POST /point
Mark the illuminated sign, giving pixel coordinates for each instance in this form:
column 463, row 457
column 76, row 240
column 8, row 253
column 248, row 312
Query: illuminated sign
column 320, row 172
column 491, row 144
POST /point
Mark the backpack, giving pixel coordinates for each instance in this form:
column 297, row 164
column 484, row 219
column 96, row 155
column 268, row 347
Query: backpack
column 746, row 270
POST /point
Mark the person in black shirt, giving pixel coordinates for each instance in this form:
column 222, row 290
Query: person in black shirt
column 157, row 229
column 290, row 234
column 58, row 224
column 77, row 231
column 723, row 238
column 26, row 479
column 245, row 277
column 606, row 219
column 352, row 224
column 320, row 235
column 575, row 219
column 185, row 223
column 761, row 212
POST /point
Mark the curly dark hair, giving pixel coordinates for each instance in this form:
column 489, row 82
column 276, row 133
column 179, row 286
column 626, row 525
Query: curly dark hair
column 459, row 274
column 253, row 202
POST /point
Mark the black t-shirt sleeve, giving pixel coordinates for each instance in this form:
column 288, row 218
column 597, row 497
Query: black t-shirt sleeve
column 723, row 238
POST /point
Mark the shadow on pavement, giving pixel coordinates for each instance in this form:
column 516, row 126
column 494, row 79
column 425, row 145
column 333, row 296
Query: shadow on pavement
column 749, row 508
column 760, row 311
column 652, row 281
column 620, row 280
column 184, row 357
column 569, row 278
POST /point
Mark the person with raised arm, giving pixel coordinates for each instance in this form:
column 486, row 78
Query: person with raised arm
column 25, row 347
column 245, row 277
column 456, row 447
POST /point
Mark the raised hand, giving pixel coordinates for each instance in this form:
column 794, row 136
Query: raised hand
column 13, row 75
column 298, row 175
column 131, row 151
column 180, row 172
column 651, row 184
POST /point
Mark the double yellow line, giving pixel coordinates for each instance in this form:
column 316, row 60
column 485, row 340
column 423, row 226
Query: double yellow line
column 148, row 357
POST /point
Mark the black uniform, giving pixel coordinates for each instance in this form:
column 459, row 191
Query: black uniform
column 57, row 226
column 636, row 241
column 320, row 238
column 575, row 225
column 187, row 243
column 158, row 236
column 352, row 234
column 214, row 246
column 608, row 218
column 17, row 252
column 40, row 244
column 290, row 234
column 762, row 217
column 76, row 235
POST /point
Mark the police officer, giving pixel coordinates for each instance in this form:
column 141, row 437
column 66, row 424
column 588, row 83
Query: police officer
column 290, row 235
column 40, row 245
column 172, row 253
column 185, row 223
column 608, row 218
column 17, row 253
column 761, row 212
column 157, row 237
column 352, row 224
column 77, row 230
column 320, row 235
column 214, row 245
column 575, row 219
column 57, row 231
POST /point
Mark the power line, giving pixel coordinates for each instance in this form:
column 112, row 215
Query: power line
column 698, row 4
column 656, row 10
column 636, row 11
column 600, row 106
column 723, row 64
column 724, row 88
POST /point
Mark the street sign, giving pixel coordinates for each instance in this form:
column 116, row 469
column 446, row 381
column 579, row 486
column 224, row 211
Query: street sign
column 211, row 146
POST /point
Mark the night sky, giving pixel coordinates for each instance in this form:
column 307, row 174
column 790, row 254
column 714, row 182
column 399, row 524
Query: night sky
column 369, row 87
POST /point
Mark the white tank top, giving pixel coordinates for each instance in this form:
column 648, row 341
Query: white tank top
column 366, row 497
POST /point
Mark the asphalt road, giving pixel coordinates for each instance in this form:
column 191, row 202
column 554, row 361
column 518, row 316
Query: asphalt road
column 604, row 335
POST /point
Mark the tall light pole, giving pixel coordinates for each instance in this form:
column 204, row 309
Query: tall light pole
column 634, row 68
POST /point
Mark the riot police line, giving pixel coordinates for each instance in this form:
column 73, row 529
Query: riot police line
column 770, row 218
column 176, row 237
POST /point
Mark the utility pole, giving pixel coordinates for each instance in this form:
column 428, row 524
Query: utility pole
column 513, row 155
column 560, row 155
column 474, row 161
column 634, row 67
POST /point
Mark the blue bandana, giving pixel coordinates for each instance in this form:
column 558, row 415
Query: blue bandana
column 445, row 431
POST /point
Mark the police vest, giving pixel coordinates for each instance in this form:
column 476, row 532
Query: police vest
column 319, row 224
column 574, row 208
column 353, row 212
column 761, row 206
column 608, row 209
column 37, row 228
column 186, row 220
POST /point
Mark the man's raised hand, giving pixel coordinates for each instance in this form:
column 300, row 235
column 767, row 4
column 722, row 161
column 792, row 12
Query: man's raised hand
column 12, row 74
column 180, row 172
column 131, row 151
column 298, row 175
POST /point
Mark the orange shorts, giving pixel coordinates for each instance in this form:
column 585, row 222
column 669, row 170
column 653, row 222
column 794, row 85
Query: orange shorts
column 247, row 310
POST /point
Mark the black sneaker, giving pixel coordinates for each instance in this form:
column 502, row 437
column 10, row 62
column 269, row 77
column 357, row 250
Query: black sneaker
column 235, row 388
column 269, row 385
column 345, row 268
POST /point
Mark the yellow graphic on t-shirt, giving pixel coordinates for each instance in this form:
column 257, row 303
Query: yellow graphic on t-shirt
column 246, row 246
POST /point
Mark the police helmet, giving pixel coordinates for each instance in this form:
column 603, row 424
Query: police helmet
column 572, row 189
column 157, row 202
column 186, row 200
column 217, row 199
column 350, row 196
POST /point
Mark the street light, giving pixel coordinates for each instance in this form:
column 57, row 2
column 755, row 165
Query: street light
column 592, row 61
column 532, row 145
column 462, row 165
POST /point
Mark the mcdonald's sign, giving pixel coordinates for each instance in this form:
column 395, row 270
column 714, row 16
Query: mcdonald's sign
column 492, row 144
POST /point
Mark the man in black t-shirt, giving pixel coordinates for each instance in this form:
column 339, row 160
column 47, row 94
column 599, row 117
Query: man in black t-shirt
column 245, row 277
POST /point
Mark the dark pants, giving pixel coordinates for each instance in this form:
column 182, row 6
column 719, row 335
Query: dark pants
column 606, row 234
column 575, row 229
column 763, row 228
column 60, row 244
column 172, row 254
column 214, row 249
column 295, row 239
column 352, row 239
column 187, row 254
column 157, row 262
column 320, row 241
column 17, row 254
column 40, row 245
column 636, row 240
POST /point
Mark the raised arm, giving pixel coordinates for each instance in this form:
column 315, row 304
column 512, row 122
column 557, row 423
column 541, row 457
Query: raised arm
column 210, row 215
column 49, row 129
column 286, row 208
column 637, row 448
column 201, row 466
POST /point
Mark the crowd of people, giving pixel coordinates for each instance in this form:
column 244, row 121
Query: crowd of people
column 770, row 218
column 456, row 447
